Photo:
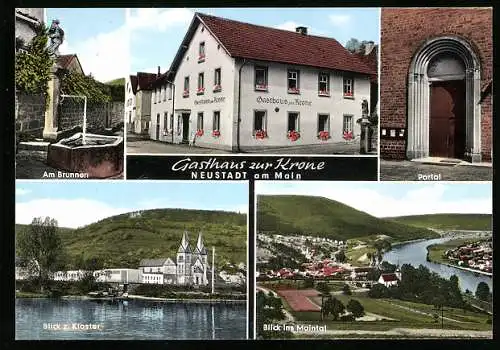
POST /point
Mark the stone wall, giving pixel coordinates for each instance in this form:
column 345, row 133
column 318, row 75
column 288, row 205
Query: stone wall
column 30, row 114
column 99, row 115
column 403, row 31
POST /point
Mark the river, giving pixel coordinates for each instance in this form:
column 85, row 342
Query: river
column 129, row 320
column 415, row 253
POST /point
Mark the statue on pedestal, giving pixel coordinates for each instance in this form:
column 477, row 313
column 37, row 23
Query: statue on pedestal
column 56, row 36
column 364, row 109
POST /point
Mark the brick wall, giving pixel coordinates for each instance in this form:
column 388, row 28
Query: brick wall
column 403, row 31
column 30, row 114
column 486, row 128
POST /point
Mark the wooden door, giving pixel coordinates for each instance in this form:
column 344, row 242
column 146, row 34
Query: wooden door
column 185, row 127
column 447, row 119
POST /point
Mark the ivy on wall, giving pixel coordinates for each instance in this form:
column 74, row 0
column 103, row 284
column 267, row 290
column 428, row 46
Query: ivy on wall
column 32, row 71
column 73, row 83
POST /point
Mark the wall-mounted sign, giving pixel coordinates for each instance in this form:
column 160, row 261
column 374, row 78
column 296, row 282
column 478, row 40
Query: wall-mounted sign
column 284, row 101
column 210, row 100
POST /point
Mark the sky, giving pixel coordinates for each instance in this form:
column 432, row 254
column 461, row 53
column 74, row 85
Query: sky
column 158, row 33
column 98, row 36
column 393, row 199
column 114, row 42
column 79, row 203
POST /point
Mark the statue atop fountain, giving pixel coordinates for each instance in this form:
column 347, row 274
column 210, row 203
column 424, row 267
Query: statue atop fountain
column 56, row 36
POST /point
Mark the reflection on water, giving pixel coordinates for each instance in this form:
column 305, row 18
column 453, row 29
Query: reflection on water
column 132, row 320
column 416, row 254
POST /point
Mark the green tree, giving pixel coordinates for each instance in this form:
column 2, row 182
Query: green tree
column 40, row 248
column 323, row 288
column 483, row 291
column 308, row 283
column 333, row 306
column 341, row 257
column 355, row 307
column 269, row 309
column 346, row 289
column 378, row 291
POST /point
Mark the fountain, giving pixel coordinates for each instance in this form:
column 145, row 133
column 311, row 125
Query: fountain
column 98, row 156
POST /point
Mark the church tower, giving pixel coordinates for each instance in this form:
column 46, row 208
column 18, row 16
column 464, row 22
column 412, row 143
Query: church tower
column 184, row 261
column 200, row 259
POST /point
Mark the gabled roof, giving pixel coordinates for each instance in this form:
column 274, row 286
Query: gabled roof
column 161, row 80
column 133, row 82
column 64, row 61
column 145, row 80
column 250, row 41
column 389, row 277
column 152, row 262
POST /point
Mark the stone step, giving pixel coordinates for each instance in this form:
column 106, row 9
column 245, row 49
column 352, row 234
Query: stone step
column 34, row 146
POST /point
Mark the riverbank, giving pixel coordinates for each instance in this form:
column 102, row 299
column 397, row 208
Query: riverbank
column 435, row 254
column 136, row 297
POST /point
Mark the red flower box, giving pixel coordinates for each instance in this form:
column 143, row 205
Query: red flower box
column 293, row 90
column 347, row 135
column 201, row 58
column 199, row 132
column 200, row 90
column 217, row 88
column 324, row 135
column 260, row 134
column 324, row 93
column 216, row 133
column 293, row 135
column 348, row 94
column 260, row 87
column 185, row 93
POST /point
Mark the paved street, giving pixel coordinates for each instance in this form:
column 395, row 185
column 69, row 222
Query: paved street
column 136, row 145
column 410, row 171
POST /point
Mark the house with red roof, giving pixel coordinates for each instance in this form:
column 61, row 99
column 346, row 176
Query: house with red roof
column 389, row 279
column 243, row 87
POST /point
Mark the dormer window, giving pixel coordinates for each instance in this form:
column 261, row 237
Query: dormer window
column 201, row 52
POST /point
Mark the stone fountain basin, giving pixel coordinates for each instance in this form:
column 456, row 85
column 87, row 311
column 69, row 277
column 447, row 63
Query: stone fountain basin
column 100, row 157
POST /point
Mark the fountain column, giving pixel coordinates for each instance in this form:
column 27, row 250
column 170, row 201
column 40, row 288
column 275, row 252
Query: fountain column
column 51, row 121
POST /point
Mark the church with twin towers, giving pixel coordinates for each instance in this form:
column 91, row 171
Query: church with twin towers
column 192, row 262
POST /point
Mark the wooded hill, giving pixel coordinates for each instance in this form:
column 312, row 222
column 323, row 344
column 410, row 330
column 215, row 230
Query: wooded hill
column 480, row 222
column 322, row 217
column 123, row 240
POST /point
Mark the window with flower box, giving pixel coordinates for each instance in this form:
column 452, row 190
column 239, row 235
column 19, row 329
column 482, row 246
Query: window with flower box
column 324, row 84
column 217, row 80
column 201, row 52
column 293, row 81
column 216, row 121
column 293, row 121
column 201, row 84
column 260, row 78
column 323, row 126
column 259, row 121
column 186, row 87
column 199, row 123
column 348, row 87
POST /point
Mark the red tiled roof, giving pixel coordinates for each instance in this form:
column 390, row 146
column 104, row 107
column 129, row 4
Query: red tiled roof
column 389, row 277
column 145, row 80
column 276, row 45
column 371, row 60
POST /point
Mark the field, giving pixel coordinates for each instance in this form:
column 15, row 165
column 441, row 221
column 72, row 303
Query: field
column 299, row 300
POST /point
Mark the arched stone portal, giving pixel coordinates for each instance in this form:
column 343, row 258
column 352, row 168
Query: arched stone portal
column 444, row 90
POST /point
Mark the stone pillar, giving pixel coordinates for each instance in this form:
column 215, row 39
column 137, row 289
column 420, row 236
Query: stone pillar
column 51, row 120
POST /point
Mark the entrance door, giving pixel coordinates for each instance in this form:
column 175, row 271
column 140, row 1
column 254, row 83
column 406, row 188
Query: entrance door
column 185, row 127
column 447, row 119
column 158, row 127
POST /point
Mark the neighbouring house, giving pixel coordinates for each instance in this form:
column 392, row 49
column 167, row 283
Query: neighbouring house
column 142, row 118
column 130, row 101
column 26, row 22
column 436, row 83
column 159, row 271
column 71, row 275
column 70, row 63
column 241, row 86
column 388, row 279
column 162, row 113
column 360, row 273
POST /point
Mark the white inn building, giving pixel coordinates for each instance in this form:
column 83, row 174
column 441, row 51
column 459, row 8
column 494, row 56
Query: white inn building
column 238, row 86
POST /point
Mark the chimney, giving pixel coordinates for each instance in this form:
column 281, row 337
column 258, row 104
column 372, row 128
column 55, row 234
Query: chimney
column 369, row 47
column 159, row 72
column 301, row 30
